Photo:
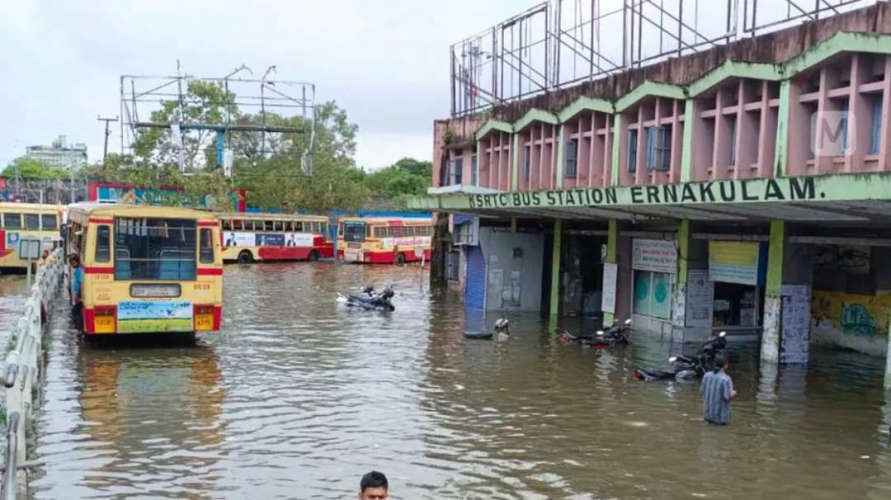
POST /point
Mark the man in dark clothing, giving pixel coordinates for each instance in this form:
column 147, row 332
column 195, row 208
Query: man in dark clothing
column 717, row 392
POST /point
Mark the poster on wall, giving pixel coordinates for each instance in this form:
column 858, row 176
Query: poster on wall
column 700, row 297
column 659, row 256
column 796, row 322
column 610, row 274
column 736, row 262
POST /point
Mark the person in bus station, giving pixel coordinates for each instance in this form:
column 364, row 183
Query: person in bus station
column 77, row 285
column 43, row 258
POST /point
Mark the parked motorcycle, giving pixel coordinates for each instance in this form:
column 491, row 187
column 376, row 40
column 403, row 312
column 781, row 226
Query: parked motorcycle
column 687, row 367
column 614, row 335
column 370, row 299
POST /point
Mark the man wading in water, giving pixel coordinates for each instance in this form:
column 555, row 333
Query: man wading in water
column 717, row 392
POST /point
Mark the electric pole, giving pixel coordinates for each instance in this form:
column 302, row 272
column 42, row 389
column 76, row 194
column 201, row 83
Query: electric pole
column 107, row 133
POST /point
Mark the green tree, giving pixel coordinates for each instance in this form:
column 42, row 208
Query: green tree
column 29, row 168
column 406, row 177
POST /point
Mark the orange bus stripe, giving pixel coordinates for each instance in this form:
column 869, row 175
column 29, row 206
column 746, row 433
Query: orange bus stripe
column 210, row 271
column 207, row 223
column 100, row 220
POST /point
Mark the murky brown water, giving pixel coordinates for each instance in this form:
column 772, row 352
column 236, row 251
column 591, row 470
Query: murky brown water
column 298, row 397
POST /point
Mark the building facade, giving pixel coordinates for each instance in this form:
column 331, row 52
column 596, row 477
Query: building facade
column 59, row 154
column 746, row 187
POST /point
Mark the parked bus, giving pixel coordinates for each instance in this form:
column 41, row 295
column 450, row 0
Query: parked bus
column 384, row 240
column 250, row 237
column 26, row 220
column 147, row 269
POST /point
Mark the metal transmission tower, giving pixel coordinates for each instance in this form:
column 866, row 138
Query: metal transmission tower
column 195, row 123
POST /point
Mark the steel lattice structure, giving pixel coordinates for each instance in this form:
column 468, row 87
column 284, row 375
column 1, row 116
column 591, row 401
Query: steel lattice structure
column 140, row 95
column 559, row 43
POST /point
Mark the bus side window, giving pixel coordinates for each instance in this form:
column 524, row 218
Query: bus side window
column 227, row 225
column 48, row 221
column 32, row 222
column 298, row 226
column 205, row 255
column 12, row 221
column 103, row 244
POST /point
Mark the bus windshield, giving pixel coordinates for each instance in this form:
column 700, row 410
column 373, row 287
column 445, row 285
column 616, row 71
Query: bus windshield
column 354, row 231
column 154, row 248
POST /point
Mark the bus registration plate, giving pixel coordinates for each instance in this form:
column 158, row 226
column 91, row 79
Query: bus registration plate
column 204, row 321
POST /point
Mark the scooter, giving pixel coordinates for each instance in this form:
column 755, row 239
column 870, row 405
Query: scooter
column 614, row 335
column 687, row 367
column 370, row 299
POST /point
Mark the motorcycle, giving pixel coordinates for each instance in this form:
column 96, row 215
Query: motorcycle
column 614, row 335
column 370, row 299
column 687, row 367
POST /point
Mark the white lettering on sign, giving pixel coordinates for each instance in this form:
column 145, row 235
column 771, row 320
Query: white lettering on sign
column 659, row 256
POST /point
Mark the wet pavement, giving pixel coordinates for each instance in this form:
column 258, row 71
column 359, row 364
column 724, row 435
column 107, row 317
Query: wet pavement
column 298, row 396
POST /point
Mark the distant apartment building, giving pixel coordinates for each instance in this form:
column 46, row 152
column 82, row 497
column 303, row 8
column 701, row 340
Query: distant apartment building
column 59, row 154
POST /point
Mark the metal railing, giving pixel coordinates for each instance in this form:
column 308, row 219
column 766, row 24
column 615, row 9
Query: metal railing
column 23, row 370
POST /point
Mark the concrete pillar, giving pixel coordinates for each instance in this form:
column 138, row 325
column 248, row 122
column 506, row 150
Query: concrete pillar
column 612, row 242
column 555, row 269
column 679, row 293
column 773, row 300
column 561, row 160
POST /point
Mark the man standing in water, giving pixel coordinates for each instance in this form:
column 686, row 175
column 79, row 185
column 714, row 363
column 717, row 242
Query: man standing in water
column 77, row 284
column 717, row 392
column 374, row 486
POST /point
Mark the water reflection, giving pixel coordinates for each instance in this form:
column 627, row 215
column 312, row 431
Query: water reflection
column 299, row 396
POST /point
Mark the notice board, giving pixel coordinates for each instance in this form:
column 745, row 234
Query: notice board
column 700, row 298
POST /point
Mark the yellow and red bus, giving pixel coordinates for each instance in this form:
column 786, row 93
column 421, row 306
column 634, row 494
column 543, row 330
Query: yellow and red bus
column 252, row 237
column 384, row 240
column 147, row 269
column 20, row 221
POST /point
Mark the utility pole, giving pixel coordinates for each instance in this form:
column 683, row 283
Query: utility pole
column 107, row 133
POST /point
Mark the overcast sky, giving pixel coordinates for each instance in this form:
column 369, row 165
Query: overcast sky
column 385, row 62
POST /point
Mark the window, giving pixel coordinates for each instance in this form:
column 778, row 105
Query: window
column 473, row 173
column 154, row 248
column 103, row 244
column 527, row 162
column 875, row 137
column 354, row 231
column 632, row 150
column 227, row 224
column 843, row 128
column 458, row 169
column 732, row 142
column 298, row 226
column 652, row 294
column 659, row 148
column 453, row 264
column 572, row 148
column 278, row 225
column 49, row 221
column 205, row 254
column 32, row 222
column 12, row 221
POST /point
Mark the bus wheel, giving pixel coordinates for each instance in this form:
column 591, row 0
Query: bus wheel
column 400, row 259
column 313, row 256
column 245, row 257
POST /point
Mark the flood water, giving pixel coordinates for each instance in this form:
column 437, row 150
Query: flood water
column 297, row 397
